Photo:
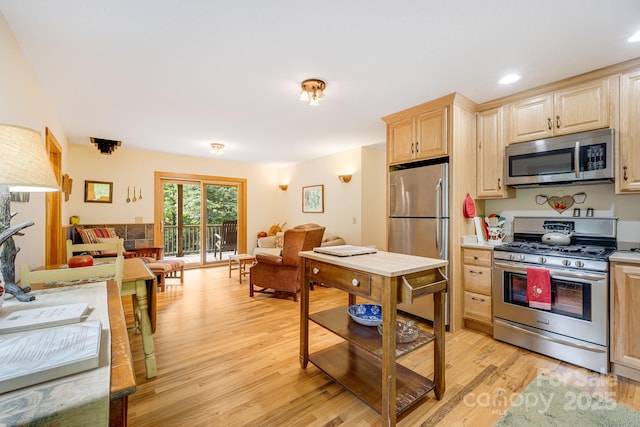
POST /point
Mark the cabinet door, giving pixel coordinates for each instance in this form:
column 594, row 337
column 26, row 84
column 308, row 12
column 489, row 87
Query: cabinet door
column 628, row 171
column 531, row 119
column 625, row 324
column 431, row 128
column 401, row 140
column 581, row 108
column 490, row 155
column 477, row 307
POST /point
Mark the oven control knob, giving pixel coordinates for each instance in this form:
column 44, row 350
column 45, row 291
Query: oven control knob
column 542, row 260
column 566, row 262
column 520, row 257
column 579, row 264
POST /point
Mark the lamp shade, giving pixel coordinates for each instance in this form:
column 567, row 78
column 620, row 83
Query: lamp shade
column 24, row 163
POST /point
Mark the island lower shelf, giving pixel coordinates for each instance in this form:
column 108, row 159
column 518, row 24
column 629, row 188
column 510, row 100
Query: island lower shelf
column 340, row 323
column 359, row 371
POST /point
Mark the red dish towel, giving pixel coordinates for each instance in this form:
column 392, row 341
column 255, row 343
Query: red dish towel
column 539, row 288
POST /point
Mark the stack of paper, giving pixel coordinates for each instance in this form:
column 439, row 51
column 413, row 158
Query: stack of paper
column 42, row 317
column 41, row 355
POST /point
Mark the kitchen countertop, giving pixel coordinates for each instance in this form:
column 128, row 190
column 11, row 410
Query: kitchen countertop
column 479, row 245
column 388, row 264
column 625, row 256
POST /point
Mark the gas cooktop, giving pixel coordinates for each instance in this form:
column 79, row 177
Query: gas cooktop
column 577, row 251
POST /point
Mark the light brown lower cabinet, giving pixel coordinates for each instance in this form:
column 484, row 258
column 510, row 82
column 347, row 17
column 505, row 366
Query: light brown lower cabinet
column 477, row 266
column 625, row 319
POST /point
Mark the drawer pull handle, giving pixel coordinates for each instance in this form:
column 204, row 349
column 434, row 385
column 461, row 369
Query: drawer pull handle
column 315, row 270
column 355, row 282
column 477, row 299
column 475, row 257
column 475, row 272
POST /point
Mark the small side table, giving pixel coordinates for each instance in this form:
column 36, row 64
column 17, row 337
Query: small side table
column 239, row 262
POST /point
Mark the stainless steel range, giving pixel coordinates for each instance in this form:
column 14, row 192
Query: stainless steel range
column 575, row 253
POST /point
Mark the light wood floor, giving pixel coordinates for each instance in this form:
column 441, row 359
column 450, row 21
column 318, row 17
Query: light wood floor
column 225, row 359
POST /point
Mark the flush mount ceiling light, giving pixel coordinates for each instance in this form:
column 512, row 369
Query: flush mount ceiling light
column 312, row 91
column 509, row 78
column 634, row 38
column 217, row 148
column 106, row 146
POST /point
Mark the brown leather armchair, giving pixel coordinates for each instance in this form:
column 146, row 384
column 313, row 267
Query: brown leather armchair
column 280, row 275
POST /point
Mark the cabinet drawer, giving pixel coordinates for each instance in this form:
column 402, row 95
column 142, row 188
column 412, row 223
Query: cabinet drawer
column 477, row 307
column 477, row 256
column 477, row 279
column 337, row 277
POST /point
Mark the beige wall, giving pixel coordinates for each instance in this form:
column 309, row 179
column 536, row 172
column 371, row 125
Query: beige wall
column 601, row 198
column 344, row 213
column 23, row 103
column 129, row 168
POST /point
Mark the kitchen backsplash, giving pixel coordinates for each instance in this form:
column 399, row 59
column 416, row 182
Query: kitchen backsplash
column 601, row 198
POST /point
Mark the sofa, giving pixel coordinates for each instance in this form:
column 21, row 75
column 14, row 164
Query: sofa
column 272, row 245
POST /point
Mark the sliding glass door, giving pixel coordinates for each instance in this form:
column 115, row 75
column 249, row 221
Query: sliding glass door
column 201, row 219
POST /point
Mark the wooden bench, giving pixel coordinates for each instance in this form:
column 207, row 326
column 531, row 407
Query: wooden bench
column 162, row 268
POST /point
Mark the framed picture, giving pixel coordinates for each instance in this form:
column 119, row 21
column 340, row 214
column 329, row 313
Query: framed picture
column 313, row 199
column 98, row 192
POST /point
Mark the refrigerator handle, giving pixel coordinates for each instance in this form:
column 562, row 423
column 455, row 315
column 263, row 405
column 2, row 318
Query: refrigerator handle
column 439, row 215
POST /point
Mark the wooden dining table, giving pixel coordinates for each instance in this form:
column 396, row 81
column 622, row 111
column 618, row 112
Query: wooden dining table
column 140, row 282
column 137, row 281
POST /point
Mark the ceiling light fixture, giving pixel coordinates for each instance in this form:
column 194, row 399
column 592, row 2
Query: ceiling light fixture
column 635, row 37
column 312, row 91
column 106, row 146
column 509, row 78
column 217, row 148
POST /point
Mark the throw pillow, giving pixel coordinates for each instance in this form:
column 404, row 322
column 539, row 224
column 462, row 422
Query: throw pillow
column 279, row 242
column 109, row 240
column 91, row 235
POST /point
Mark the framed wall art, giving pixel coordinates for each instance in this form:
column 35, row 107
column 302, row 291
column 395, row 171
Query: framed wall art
column 313, row 199
column 98, row 192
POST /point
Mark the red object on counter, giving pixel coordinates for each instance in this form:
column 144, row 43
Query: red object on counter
column 485, row 229
column 80, row 261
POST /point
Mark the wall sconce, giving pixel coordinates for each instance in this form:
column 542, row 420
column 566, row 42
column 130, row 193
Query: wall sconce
column 283, row 187
column 344, row 178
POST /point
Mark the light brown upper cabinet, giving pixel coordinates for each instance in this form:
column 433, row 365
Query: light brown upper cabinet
column 490, row 154
column 419, row 134
column 574, row 109
column 628, row 166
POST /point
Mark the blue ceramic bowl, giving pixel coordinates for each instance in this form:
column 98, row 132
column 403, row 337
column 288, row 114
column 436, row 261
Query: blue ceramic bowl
column 366, row 314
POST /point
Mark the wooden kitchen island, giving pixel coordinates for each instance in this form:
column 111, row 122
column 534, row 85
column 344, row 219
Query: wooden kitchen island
column 365, row 363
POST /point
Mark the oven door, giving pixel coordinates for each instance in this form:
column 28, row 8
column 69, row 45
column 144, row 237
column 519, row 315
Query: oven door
column 579, row 301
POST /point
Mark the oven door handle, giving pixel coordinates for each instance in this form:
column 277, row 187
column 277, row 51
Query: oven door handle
column 556, row 274
column 555, row 340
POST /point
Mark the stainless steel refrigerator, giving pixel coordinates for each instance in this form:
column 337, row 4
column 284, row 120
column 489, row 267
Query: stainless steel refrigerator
column 419, row 221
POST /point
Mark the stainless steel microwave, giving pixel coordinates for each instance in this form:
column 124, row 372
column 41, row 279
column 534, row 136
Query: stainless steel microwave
column 580, row 158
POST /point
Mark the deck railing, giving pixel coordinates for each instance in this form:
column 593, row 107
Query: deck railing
column 190, row 239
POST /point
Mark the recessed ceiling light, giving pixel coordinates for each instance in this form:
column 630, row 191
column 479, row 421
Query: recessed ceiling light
column 509, row 78
column 635, row 37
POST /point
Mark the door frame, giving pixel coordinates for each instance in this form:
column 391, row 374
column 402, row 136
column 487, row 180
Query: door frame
column 54, row 242
column 158, row 208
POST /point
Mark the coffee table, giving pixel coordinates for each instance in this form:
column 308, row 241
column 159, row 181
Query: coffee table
column 239, row 262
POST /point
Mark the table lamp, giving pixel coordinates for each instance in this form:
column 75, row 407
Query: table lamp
column 24, row 167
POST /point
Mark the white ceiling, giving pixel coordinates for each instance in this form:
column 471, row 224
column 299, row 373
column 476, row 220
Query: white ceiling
column 175, row 76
